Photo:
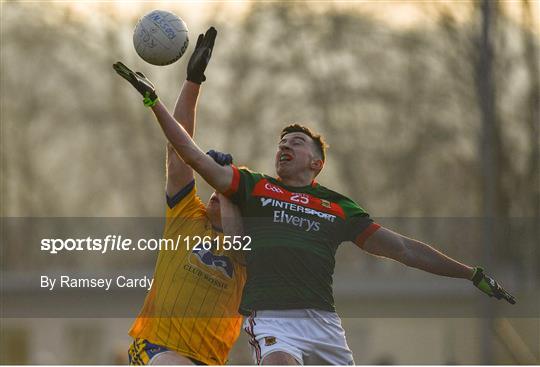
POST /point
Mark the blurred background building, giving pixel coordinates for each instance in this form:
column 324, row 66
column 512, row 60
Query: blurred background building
column 431, row 110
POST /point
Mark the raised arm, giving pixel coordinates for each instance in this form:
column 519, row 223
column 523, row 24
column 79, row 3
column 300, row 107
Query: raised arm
column 219, row 177
column 416, row 254
column 186, row 106
column 179, row 174
column 180, row 136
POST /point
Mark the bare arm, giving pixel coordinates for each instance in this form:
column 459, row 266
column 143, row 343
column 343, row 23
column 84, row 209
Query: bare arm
column 180, row 174
column 219, row 177
column 186, row 106
column 415, row 254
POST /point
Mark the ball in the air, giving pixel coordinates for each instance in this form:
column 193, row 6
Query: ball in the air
column 160, row 37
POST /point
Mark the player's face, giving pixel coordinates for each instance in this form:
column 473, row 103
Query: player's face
column 213, row 210
column 295, row 155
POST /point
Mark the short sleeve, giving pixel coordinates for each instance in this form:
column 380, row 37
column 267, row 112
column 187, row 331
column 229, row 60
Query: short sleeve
column 242, row 184
column 358, row 224
column 184, row 205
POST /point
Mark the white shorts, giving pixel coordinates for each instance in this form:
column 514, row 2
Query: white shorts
column 310, row 336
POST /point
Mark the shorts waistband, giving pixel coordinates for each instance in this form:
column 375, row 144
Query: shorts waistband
column 302, row 313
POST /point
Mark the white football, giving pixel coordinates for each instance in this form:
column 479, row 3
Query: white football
column 160, row 37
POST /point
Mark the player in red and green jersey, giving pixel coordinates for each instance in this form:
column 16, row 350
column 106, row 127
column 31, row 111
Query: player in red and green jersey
column 296, row 225
column 296, row 232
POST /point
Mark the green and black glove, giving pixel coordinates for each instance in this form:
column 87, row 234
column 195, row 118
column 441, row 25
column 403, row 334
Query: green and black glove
column 201, row 56
column 490, row 287
column 140, row 82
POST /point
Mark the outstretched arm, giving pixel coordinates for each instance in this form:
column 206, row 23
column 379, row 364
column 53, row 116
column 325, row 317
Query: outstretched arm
column 179, row 174
column 219, row 177
column 186, row 106
column 418, row 255
column 415, row 254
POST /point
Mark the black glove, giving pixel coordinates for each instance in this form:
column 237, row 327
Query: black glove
column 490, row 287
column 201, row 56
column 223, row 159
column 140, row 82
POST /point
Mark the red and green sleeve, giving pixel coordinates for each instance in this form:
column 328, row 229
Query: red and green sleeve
column 358, row 224
column 242, row 184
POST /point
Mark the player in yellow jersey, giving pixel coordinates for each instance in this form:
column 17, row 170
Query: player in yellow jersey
column 190, row 316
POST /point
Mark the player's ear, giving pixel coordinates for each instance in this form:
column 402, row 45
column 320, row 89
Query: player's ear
column 317, row 164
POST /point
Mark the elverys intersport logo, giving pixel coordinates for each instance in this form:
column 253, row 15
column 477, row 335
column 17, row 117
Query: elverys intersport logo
column 299, row 202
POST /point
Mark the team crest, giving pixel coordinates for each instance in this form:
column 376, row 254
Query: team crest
column 221, row 264
column 269, row 340
column 325, row 203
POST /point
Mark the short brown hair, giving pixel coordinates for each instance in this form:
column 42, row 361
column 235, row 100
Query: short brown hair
column 317, row 138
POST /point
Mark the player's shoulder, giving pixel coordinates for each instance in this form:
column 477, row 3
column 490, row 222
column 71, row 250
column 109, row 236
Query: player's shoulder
column 256, row 176
column 186, row 193
column 327, row 193
column 186, row 201
column 350, row 206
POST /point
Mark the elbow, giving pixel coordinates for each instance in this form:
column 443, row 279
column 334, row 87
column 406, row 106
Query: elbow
column 195, row 159
column 404, row 254
column 190, row 161
column 188, row 154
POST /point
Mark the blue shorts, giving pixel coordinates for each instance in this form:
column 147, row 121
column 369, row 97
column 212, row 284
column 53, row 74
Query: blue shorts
column 141, row 351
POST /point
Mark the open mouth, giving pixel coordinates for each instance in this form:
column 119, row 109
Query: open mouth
column 285, row 157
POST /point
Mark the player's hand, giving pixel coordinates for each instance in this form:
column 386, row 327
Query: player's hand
column 490, row 287
column 140, row 82
column 223, row 159
column 201, row 56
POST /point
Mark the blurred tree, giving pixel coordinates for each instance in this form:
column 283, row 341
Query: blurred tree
column 74, row 144
column 532, row 181
column 399, row 108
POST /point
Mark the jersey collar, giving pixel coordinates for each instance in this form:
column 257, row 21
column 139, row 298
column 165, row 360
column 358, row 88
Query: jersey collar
column 313, row 184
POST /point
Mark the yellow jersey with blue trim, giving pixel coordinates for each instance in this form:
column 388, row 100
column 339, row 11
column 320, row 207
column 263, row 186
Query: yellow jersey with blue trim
column 192, row 307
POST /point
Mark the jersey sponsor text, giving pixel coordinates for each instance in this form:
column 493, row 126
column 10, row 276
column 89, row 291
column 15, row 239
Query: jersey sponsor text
column 296, row 208
column 280, row 216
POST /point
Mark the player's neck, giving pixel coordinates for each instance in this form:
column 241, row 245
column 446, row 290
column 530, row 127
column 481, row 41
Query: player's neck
column 296, row 181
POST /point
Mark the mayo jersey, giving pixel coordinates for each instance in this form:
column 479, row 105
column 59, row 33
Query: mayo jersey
column 192, row 307
column 295, row 233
